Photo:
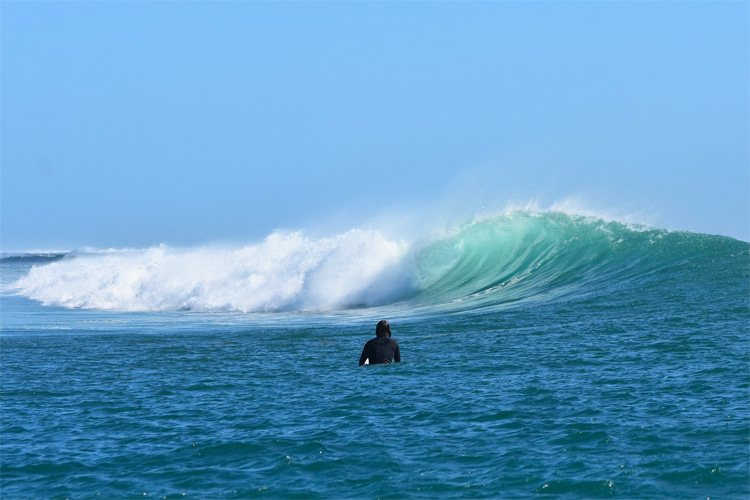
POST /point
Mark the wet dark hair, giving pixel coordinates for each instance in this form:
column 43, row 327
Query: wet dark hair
column 383, row 329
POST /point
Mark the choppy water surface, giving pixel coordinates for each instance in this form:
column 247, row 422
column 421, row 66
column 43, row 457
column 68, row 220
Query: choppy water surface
column 557, row 358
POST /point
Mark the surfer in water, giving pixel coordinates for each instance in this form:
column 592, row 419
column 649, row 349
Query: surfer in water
column 382, row 349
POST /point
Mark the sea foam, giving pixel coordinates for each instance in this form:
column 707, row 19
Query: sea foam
column 287, row 271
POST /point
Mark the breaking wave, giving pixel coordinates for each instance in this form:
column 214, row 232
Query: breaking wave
column 489, row 262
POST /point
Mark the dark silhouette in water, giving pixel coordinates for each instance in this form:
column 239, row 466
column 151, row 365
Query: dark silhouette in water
column 382, row 349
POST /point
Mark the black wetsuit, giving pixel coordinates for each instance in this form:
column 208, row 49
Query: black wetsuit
column 380, row 350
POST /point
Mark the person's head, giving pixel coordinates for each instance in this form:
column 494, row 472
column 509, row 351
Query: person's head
column 383, row 329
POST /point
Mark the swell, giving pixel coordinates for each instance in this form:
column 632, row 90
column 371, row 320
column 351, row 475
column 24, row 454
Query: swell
column 495, row 262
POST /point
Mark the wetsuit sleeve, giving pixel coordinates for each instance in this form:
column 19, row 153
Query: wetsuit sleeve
column 364, row 356
column 397, row 354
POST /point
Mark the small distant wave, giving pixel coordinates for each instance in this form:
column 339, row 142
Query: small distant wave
column 485, row 262
column 31, row 256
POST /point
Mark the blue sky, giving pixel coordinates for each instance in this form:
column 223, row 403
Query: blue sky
column 129, row 124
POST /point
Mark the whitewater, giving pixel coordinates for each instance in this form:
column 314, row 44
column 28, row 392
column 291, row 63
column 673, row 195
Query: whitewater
column 546, row 354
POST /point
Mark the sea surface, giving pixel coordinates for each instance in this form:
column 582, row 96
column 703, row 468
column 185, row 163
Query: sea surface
column 545, row 355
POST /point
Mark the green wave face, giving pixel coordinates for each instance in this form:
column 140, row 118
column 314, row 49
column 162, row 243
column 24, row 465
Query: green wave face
column 527, row 257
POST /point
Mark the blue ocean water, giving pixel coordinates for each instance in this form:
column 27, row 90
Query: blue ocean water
column 545, row 355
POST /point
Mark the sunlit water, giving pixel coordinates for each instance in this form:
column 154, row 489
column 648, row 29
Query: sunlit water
column 543, row 356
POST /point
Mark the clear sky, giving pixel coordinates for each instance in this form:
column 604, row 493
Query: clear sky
column 129, row 124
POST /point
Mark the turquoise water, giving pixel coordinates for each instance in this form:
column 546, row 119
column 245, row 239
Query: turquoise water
column 545, row 355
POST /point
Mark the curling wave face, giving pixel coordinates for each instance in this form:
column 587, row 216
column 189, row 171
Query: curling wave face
column 484, row 263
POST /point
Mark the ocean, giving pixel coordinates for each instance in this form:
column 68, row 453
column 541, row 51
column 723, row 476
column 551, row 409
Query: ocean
column 544, row 354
